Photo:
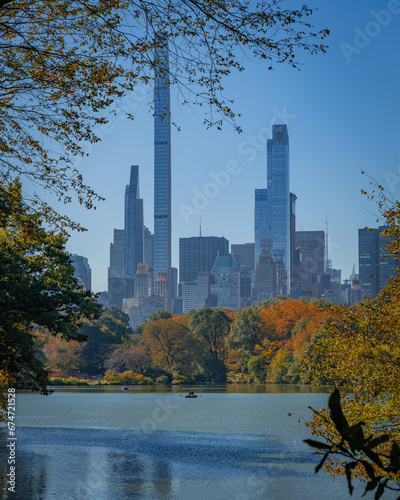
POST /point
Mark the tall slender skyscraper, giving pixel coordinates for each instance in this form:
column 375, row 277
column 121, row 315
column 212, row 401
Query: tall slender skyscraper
column 162, row 167
column 133, row 233
column 272, row 207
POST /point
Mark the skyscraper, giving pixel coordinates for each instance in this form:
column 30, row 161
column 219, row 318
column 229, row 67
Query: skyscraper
column 272, row 206
column 83, row 272
column 387, row 263
column 148, row 248
column 198, row 253
column 260, row 224
column 225, row 282
column 162, row 168
column 243, row 253
column 133, row 254
column 117, row 250
column 311, row 247
column 368, row 259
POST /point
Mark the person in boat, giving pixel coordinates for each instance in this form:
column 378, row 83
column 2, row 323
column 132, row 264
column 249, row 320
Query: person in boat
column 191, row 393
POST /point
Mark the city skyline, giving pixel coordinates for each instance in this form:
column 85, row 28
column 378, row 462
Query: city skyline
column 341, row 116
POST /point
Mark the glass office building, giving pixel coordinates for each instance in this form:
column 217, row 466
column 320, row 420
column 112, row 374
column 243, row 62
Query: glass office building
column 368, row 259
column 272, row 207
column 162, row 168
column 198, row 253
column 133, row 234
column 260, row 224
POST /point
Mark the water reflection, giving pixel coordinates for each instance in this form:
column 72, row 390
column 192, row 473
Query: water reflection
column 152, row 444
column 102, row 465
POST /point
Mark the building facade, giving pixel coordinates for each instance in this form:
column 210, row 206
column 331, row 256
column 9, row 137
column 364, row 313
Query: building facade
column 195, row 294
column 261, row 242
column 83, row 272
column 117, row 251
column 272, row 206
column 387, row 264
column 309, row 265
column 133, row 225
column 142, row 282
column 243, row 253
column 368, row 259
column 198, row 254
column 148, row 244
column 225, row 282
column 162, row 168
column 376, row 265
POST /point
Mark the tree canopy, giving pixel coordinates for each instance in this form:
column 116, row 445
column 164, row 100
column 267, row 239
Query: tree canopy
column 359, row 351
column 37, row 287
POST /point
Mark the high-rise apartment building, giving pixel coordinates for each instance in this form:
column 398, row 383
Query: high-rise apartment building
column 198, row 253
column 133, row 225
column 387, row 264
column 83, row 272
column 368, row 259
column 162, row 168
column 142, row 281
column 376, row 265
column 225, row 282
column 261, row 242
column 117, row 251
column 243, row 253
column 293, row 255
column 272, row 207
column 310, row 247
column 148, row 248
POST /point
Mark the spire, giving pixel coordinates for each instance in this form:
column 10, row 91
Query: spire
column 200, row 227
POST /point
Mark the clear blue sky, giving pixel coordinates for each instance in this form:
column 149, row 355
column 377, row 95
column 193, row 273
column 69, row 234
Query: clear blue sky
column 343, row 115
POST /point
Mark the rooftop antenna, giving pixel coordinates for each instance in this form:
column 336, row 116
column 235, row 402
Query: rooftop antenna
column 200, row 227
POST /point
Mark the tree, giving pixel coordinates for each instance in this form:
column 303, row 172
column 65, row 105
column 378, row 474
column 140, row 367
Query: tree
column 211, row 328
column 102, row 335
column 360, row 352
column 62, row 64
column 63, row 355
column 245, row 333
column 125, row 358
column 37, row 287
column 170, row 344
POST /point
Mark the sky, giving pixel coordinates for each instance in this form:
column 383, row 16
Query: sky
column 342, row 112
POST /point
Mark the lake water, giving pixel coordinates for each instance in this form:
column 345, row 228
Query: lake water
column 234, row 442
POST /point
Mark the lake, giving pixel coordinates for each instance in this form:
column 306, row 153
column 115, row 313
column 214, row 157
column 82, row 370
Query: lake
column 234, row 441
